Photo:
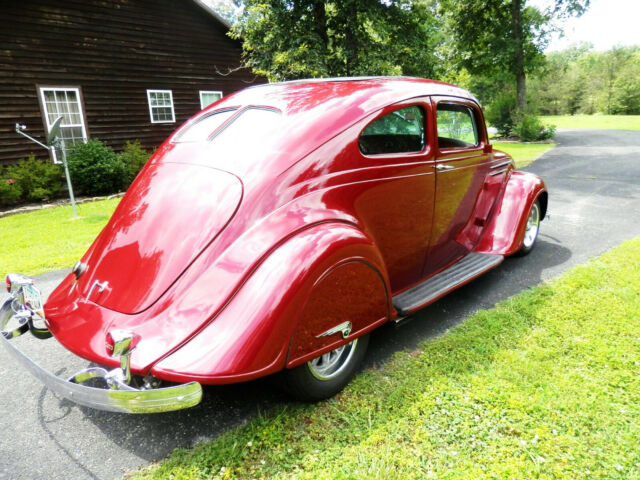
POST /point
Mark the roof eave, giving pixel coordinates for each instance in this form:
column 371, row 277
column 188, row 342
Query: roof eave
column 212, row 12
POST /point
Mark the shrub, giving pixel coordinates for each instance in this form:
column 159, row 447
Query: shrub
column 530, row 129
column 134, row 157
column 96, row 169
column 34, row 179
column 500, row 112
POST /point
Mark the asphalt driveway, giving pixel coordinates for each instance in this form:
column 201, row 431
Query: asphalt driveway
column 593, row 178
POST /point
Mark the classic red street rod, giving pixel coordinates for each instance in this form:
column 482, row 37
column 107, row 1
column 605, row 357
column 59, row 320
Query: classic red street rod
column 272, row 232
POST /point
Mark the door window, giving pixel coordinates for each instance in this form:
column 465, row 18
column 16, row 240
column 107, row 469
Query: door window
column 456, row 126
column 401, row 131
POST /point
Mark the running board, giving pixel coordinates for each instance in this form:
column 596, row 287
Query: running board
column 435, row 287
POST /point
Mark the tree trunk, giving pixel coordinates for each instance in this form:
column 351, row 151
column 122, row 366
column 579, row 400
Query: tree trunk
column 521, row 79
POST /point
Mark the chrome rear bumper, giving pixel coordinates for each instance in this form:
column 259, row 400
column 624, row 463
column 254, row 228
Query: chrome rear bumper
column 118, row 397
column 126, row 401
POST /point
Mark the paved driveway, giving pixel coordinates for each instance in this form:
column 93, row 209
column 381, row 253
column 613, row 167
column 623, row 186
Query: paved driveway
column 594, row 183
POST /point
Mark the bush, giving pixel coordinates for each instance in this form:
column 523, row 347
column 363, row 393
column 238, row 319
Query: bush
column 35, row 180
column 134, row 157
column 530, row 129
column 499, row 113
column 96, row 169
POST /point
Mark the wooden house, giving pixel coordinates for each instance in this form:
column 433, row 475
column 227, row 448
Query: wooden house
column 116, row 70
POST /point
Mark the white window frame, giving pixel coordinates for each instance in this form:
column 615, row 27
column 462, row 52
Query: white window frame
column 82, row 124
column 208, row 92
column 173, row 114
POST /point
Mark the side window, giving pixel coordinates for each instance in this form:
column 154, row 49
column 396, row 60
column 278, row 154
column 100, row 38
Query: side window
column 401, row 131
column 456, row 126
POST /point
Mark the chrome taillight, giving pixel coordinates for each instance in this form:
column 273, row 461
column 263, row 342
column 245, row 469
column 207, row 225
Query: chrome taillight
column 14, row 281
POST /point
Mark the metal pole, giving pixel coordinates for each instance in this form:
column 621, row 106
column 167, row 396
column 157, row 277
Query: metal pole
column 66, row 173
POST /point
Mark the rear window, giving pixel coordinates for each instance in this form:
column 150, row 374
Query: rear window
column 204, row 127
column 254, row 125
column 401, row 131
column 233, row 128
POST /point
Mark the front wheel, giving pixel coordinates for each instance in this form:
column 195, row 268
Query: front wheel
column 327, row 374
column 531, row 232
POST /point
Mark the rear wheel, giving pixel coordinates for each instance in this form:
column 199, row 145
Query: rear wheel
column 531, row 231
column 327, row 374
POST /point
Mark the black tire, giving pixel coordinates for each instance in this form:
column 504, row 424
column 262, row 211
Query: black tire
column 532, row 230
column 309, row 382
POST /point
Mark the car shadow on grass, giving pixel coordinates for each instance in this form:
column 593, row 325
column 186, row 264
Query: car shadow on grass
column 152, row 437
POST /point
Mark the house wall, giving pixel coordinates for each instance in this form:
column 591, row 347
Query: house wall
column 113, row 51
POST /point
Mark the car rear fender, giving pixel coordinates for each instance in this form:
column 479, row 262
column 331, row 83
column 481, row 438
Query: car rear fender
column 269, row 315
column 505, row 231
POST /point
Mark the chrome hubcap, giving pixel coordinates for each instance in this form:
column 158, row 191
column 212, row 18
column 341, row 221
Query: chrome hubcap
column 533, row 223
column 329, row 365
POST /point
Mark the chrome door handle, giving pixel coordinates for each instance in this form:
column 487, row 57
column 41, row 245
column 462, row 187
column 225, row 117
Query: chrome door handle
column 444, row 166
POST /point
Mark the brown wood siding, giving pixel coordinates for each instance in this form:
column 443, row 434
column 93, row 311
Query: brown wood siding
column 114, row 51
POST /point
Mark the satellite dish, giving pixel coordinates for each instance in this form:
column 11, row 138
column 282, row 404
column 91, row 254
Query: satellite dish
column 54, row 132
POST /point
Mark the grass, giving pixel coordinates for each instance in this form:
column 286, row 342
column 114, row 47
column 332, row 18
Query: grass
column 546, row 385
column 45, row 240
column 523, row 153
column 607, row 122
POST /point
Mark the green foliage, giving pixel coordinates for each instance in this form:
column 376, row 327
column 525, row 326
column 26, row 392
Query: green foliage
column 35, row 180
column 49, row 239
column 579, row 80
column 134, row 157
column 625, row 98
column 96, row 169
column 530, row 129
column 500, row 113
column 496, row 36
column 285, row 39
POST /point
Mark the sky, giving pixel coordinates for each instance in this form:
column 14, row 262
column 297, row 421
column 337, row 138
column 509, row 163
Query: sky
column 606, row 23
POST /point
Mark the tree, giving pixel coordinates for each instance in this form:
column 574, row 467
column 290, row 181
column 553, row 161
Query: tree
column 286, row 39
column 498, row 35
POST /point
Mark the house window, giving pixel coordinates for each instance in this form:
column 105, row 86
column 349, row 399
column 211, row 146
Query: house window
column 208, row 97
column 65, row 102
column 161, row 106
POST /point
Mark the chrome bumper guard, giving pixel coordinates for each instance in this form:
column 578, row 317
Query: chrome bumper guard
column 119, row 397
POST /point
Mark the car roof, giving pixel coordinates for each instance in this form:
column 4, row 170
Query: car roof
column 296, row 96
column 316, row 110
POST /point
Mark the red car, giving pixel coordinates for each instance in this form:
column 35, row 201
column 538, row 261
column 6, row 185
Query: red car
column 272, row 232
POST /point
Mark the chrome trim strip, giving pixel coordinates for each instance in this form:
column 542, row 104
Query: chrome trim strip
column 344, row 328
column 498, row 172
column 125, row 401
column 501, row 164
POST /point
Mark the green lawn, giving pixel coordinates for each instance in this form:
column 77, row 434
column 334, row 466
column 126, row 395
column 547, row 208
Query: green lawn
column 612, row 122
column 44, row 240
column 546, row 385
column 523, row 153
